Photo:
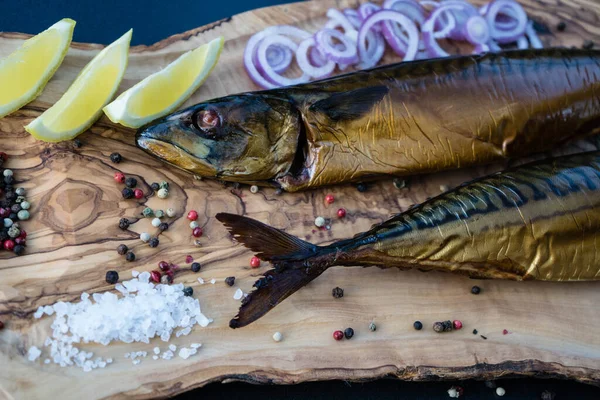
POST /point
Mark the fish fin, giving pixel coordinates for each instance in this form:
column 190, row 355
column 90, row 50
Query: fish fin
column 296, row 264
column 350, row 105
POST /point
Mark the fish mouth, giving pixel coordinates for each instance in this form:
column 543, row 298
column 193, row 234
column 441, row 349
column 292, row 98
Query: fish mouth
column 177, row 155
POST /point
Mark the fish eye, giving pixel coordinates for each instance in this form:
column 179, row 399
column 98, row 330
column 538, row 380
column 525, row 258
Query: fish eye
column 207, row 120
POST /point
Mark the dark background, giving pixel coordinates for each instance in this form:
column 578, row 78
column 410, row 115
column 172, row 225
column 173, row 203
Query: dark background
column 102, row 21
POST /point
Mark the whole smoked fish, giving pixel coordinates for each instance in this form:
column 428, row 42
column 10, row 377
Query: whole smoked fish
column 539, row 221
column 403, row 119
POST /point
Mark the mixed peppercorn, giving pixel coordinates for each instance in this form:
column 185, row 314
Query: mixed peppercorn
column 14, row 208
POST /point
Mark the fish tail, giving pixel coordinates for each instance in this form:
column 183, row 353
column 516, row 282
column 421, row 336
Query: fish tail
column 296, row 263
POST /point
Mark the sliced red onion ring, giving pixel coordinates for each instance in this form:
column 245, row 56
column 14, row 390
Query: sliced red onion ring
column 311, row 68
column 460, row 14
column 429, row 3
column 278, row 57
column 253, row 42
column 427, row 30
column 269, row 73
column 353, row 17
column 505, row 20
column 347, row 55
column 375, row 47
column 410, row 8
column 389, row 15
column 476, row 30
column 507, row 7
column 365, row 10
column 337, row 18
column 522, row 43
column 481, row 48
column 494, row 46
column 534, row 40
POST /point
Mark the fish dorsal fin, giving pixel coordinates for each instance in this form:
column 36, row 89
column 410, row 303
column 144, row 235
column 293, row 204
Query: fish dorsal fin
column 350, row 105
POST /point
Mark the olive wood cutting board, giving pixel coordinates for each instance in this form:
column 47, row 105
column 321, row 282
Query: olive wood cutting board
column 72, row 237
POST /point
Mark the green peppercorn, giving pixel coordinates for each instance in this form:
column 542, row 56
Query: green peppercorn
column 20, row 191
column 23, row 215
column 159, row 213
column 25, row 205
column 14, row 231
column 20, row 199
column 372, row 327
column 147, row 212
column 163, row 185
column 188, row 291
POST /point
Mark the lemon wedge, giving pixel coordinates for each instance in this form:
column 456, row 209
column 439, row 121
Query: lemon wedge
column 25, row 72
column 162, row 92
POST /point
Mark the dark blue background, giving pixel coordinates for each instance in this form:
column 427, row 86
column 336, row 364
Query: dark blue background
column 102, row 21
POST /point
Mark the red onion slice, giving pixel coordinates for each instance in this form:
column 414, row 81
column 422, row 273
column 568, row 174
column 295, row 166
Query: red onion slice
column 389, row 15
column 353, row 17
column 268, row 71
column 410, row 8
column 308, row 64
column 476, row 30
column 427, row 30
column 278, row 57
column 522, row 43
column 253, row 42
column 507, row 7
column 534, row 40
column 338, row 19
column 365, row 10
column 460, row 14
column 345, row 55
column 375, row 47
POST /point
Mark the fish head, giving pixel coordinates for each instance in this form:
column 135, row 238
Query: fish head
column 251, row 137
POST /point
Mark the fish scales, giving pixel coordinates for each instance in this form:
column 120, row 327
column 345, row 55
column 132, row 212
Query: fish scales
column 539, row 221
column 403, row 119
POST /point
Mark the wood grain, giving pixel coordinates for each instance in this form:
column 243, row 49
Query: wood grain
column 73, row 235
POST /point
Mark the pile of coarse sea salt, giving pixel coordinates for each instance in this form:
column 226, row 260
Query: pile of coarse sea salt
column 143, row 311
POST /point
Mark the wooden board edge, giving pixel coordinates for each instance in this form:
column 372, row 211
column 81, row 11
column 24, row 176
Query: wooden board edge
column 530, row 368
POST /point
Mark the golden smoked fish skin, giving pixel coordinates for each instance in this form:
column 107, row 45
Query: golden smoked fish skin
column 402, row 119
column 539, row 221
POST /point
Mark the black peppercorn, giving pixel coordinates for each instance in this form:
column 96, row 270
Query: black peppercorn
column 561, row 26
column 3, row 235
column 19, row 249
column 348, row 333
column 124, row 223
column 10, row 196
column 337, row 292
column 112, row 277
column 188, row 291
column 444, row 326
column 116, row 158
column 475, row 290
column 163, row 226
column 15, row 208
column 155, row 186
column 127, row 193
column 122, row 249
column 130, row 256
column 195, row 267
column 474, row 331
column 130, row 182
column 418, row 325
column 77, row 143
column 153, row 242
column 588, row 44
column 13, row 216
column 230, row 280
column 9, row 179
column 361, row 187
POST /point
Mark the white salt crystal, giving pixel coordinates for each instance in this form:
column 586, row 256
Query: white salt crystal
column 135, row 273
column 184, row 353
column 156, row 350
column 213, row 280
column 155, row 357
column 144, row 277
column 136, row 362
column 109, row 360
column 39, row 312
column 238, row 294
column 201, row 281
column 195, row 345
column 48, row 310
column 127, row 355
column 47, row 361
column 85, row 296
column 33, row 353
column 172, row 347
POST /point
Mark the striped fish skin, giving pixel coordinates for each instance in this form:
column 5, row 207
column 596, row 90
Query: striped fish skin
column 402, row 119
column 540, row 221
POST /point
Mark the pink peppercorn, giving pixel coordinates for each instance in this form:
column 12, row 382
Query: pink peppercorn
column 119, row 177
column 457, row 324
column 155, row 276
column 341, row 213
column 3, row 156
column 189, row 259
column 255, row 262
column 329, row 199
column 164, row 266
column 4, row 212
column 9, row 244
column 192, row 215
column 20, row 241
column 505, row 332
column 23, row 234
column 197, row 232
column 338, row 335
column 138, row 194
